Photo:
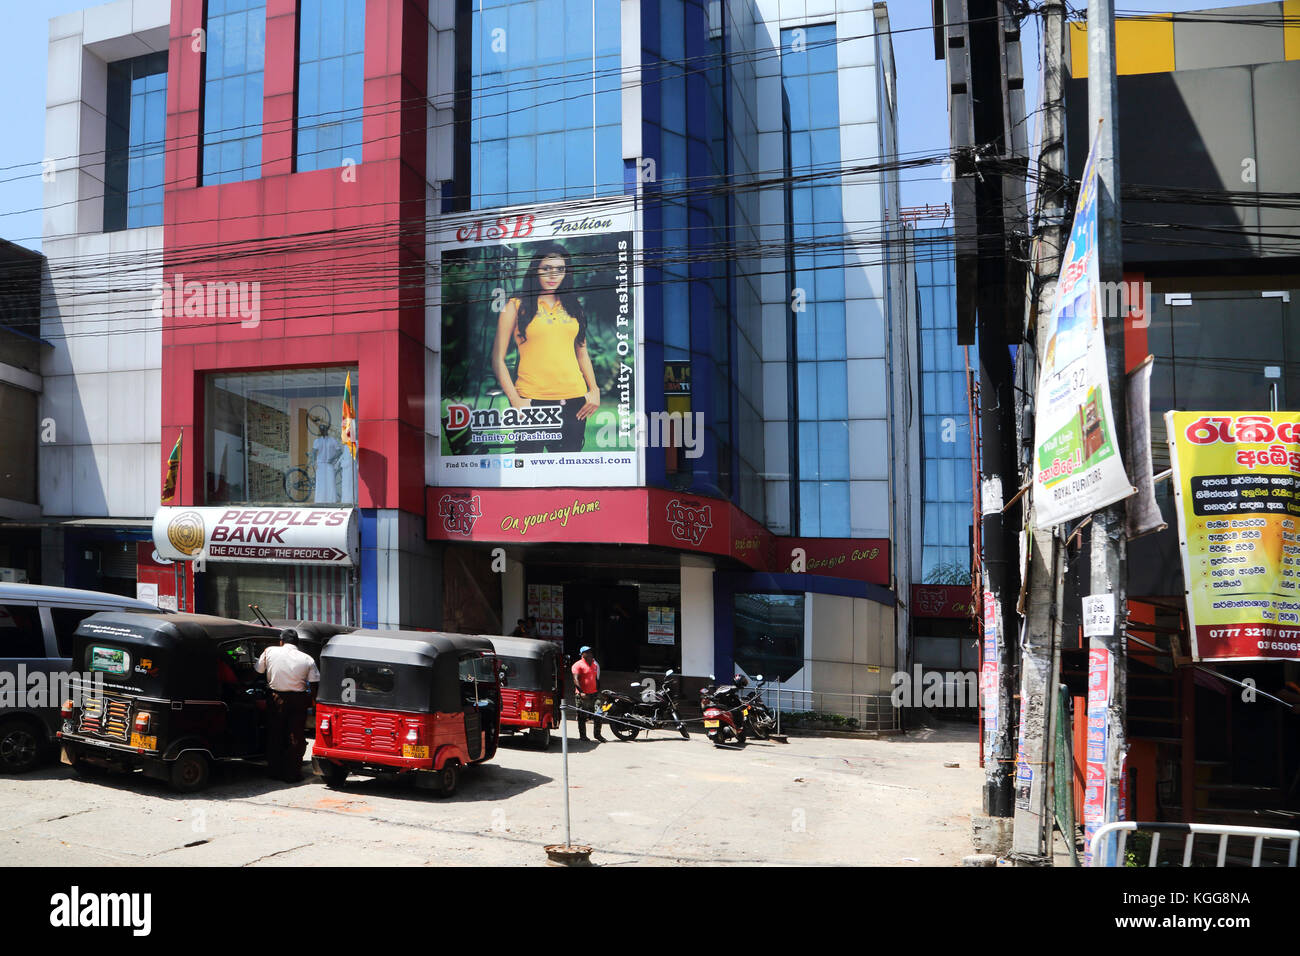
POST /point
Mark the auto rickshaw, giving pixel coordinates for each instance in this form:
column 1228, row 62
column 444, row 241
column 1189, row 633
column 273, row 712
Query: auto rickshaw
column 406, row 703
column 167, row 694
column 532, row 686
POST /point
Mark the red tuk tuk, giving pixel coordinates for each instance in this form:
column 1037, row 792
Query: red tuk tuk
column 406, row 703
column 532, row 686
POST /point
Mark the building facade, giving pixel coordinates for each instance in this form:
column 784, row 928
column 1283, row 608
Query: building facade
column 337, row 220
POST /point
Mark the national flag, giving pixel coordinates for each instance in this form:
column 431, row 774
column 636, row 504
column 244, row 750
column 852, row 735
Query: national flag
column 173, row 469
column 349, row 427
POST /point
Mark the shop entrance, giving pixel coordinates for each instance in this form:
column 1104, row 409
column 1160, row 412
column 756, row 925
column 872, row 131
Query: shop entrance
column 608, row 618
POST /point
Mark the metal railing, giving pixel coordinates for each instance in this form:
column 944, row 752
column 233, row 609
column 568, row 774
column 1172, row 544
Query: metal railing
column 1100, row 840
column 871, row 712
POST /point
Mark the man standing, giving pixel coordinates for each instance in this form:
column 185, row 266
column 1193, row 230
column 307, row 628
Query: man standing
column 292, row 677
column 586, row 678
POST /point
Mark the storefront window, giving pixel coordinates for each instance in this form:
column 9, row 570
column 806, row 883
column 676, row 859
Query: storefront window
column 283, row 592
column 277, row 437
column 769, row 634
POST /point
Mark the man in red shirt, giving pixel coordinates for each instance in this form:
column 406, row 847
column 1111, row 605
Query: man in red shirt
column 586, row 680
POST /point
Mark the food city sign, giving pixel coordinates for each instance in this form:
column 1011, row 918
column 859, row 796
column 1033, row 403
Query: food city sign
column 258, row 535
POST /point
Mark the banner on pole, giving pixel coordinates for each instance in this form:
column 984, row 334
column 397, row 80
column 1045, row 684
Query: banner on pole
column 1077, row 464
column 1236, row 477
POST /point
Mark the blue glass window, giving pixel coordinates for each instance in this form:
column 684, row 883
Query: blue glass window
column 232, row 90
column 809, row 78
column 945, row 425
column 331, row 80
column 135, row 142
column 534, row 70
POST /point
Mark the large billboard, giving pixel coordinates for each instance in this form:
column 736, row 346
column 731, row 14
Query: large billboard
column 541, row 381
column 1236, row 476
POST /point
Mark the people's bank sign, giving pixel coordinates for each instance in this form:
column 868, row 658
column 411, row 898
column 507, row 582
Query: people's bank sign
column 258, row 535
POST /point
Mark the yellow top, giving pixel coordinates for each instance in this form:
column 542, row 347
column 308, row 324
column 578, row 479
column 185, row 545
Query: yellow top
column 548, row 364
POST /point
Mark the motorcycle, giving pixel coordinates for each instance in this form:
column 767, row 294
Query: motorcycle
column 724, row 713
column 759, row 719
column 628, row 717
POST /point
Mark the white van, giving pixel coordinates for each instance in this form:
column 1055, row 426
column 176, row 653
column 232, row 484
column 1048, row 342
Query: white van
column 36, row 626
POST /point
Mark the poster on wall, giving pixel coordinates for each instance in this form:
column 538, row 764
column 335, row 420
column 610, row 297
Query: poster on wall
column 546, row 604
column 1236, row 476
column 661, row 625
column 540, row 319
column 1078, row 468
column 1094, row 794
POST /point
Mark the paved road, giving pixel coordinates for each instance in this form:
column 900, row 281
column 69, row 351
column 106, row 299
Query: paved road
column 665, row 801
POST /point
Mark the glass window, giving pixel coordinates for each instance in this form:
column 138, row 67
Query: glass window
column 135, row 140
column 769, row 634
column 331, row 59
column 232, row 91
column 276, row 437
column 534, row 69
column 282, row 592
column 21, row 634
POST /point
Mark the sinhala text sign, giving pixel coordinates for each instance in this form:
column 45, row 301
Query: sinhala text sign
column 261, row 535
column 540, row 330
column 1077, row 466
column 1235, row 481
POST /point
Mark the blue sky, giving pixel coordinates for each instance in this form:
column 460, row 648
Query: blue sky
column 923, row 116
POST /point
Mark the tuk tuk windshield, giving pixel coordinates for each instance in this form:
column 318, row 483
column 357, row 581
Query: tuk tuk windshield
column 527, row 673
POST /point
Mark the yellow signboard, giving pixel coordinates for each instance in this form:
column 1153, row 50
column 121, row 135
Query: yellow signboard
column 1236, row 477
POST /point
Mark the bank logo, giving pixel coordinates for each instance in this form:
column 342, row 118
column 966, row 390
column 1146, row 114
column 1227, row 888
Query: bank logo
column 460, row 514
column 688, row 523
column 185, row 532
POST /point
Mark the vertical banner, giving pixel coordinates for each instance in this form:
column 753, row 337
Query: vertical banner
column 540, row 332
column 989, row 670
column 1235, row 489
column 1094, row 799
column 1077, row 465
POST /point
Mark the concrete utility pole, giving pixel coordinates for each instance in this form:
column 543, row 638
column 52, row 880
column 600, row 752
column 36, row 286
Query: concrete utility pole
column 1032, row 834
column 1109, row 572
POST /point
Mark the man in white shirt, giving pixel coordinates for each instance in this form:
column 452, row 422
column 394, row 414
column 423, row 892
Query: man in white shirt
column 292, row 677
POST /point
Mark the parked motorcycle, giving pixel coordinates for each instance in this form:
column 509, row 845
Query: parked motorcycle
column 724, row 713
column 759, row 718
column 629, row 716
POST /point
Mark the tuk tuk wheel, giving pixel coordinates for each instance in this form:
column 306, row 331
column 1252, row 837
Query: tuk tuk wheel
column 541, row 737
column 333, row 775
column 448, row 778
column 20, row 747
column 190, row 772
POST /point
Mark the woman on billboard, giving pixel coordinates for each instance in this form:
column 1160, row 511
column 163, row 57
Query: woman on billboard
column 549, row 328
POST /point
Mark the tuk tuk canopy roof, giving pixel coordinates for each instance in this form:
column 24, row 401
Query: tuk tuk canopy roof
column 425, row 668
column 183, row 649
column 526, row 648
column 313, row 635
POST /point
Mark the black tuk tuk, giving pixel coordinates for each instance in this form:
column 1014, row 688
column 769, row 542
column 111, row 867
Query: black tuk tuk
column 532, row 686
column 412, row 703
column 167, row 694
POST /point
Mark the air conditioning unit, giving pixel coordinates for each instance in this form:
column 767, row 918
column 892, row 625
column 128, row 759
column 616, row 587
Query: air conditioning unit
column 13, row 575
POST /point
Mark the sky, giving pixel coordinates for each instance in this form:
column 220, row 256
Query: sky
column 922, row 105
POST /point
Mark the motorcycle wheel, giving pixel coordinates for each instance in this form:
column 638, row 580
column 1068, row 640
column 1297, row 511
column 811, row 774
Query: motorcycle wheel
column 621, row 730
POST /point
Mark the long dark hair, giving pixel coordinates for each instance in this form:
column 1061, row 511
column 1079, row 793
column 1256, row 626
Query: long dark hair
column 533, row 288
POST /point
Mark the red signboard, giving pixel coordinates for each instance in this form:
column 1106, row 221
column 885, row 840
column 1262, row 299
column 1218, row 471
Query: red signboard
column 646, row 516
column 942, row 600
column 173, row 580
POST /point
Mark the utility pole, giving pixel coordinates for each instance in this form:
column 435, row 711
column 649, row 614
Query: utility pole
column 1108, row 571
column 1039, row 667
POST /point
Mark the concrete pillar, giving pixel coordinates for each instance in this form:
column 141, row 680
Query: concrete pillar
column 697, row 616
column 513, row 599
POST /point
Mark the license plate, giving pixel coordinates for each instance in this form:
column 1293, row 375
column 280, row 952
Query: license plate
column 711, row 724
column 530, row 715
column 418, row 751
column 141, row 742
